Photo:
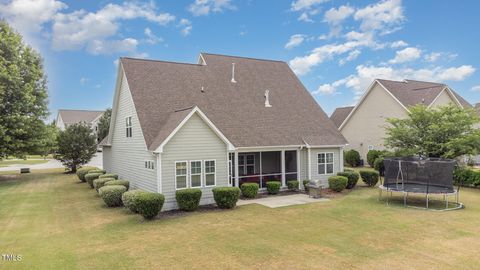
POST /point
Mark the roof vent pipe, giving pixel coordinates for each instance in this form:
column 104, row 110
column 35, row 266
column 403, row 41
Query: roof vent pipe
column 267, row 99
column 233, row 73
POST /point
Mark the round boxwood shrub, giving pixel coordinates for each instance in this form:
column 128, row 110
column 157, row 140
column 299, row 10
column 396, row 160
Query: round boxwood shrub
column 292, row 185
column 98, row 171
column 100, row 182
column 379, row 166
column 109, row 175
column 148, row 204
column 337, row 183
column 352, row 158
column 124, row 183
column 89, row 177
column 226, row 197
column 112, row 195
column 82, row 172
column 188, row 199
column 352, row 177
column 372, row 155
column 369, row 177
column 305, row 185
column 273, row 187
column 128, row 199
column 249, row 190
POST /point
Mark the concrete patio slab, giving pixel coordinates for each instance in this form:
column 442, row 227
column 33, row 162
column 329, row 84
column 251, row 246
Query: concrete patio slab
column 281, row 201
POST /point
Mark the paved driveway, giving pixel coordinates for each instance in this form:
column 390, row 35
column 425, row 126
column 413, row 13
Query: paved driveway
column 53, row 164
column 280, row 201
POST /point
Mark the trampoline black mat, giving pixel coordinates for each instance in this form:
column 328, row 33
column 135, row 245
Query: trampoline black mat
column 418, row 188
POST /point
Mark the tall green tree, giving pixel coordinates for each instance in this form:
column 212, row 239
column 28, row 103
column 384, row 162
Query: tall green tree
column 23, row 94
column 447, row 132
column 104, row 124
column 48, row 140
column 76, row 146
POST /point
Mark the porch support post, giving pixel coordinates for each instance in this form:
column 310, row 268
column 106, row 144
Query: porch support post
column 341, row 158
column 159, row 173
column 298, row 169
column 283, row 168
column 236, row 169
column 261, row 170
column 309, row 164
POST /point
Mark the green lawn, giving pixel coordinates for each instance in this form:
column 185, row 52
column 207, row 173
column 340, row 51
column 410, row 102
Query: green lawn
column 55, row 222
column 8, row 162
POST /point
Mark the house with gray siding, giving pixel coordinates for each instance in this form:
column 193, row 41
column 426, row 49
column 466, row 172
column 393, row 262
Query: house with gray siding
column 222, row 121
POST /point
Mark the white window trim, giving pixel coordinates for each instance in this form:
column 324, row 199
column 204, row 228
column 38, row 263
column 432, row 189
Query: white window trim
column 127, row 126
column 214, row 173
column 189, row 172
column 150, row 164
column 325, row 164
column 244, row 165
column 186, row 176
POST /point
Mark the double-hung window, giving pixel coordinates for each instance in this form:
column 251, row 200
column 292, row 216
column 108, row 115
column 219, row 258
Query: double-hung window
column 128, row 127
column 181, row 174
column 195, row 173
column 209, row 173
column 246, row 164
column 149, row 164
column 325, row 163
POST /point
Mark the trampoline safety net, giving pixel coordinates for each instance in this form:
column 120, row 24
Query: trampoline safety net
column 417, row 175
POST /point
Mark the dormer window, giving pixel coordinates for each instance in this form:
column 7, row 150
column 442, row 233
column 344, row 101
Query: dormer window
column 128, row 127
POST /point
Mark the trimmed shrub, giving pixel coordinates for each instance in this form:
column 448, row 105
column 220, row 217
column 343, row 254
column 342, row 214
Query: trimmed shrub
column 100, row 182
column 188, row 199
column 348, row 170
column 249, row 190
column 273, row 187
column 369, row 177
column 379, row 166
column 109, row 175
column 112, row 195
column 372, row 155
column 82, row 172
column 89, row 177
column 337, row 183
column 124, row 183
column 352, row 158
column 292, row 184
column 352, row 177
column 466, row 177
column 128, row 199
column 305, row 185
column 226, row 197
column 148, row 204
column 98, row 171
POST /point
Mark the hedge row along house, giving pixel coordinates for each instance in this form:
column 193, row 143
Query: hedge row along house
column 223, row 121
column 363, row 125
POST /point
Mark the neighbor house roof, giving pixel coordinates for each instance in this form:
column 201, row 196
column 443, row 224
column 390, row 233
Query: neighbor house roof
column 339, row 115
column 77, row 116
column 164, row 93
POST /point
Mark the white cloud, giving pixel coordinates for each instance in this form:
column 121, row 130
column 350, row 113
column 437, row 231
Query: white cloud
column 398, row 44
column 299, row 5
column 335, row 16
column 435, row 56
column 151, row 37
column 84, row 80
column 204, row 7
column 350, row 57
column 112, row 46
column 91, row 30
column 406, row 55
column 304, row 17
column 384, row 16
column 476, row 88
column 186, row 27
column 295, row 40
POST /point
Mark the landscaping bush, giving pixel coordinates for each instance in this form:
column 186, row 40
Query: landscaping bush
column 337, row 183
column 82, row 172
column 124, row 183
column 292, row 185
column 89, row 177
column 305, row 185
column 352, row 177
column 188, row 199
column 100, row 182
column 369, row 177
column 128, row 199
column 109, row 175
column 379, row 166
column 466, row 177
column 348, row 170
column 148, row 204
column 112, row 195
column 249, row 190
column 226, row 197
column 273, row 187
column 352, row 158
column 372, row 155
column 98, row 171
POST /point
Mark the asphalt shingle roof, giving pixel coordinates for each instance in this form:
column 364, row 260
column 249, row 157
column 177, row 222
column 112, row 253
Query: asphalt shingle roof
column 77, row 116
column 340, row 114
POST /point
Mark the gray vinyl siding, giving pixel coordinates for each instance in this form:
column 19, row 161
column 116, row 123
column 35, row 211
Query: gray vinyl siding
column 128, row 155
column 194, row 141
column 336, row 163
column 107, row 158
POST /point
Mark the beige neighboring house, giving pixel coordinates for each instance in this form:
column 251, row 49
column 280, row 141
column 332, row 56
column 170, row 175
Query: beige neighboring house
column 222, row 121
column 363, row 125
column 70, row 117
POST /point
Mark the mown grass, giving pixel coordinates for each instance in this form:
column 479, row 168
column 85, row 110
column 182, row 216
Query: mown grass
column 8, row 162
column 55, row 222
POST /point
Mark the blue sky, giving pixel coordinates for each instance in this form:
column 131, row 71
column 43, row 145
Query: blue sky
column 336, row 47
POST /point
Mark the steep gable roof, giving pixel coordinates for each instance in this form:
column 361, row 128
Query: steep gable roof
column 340, row 114
column 77, row 116
column 161, row 91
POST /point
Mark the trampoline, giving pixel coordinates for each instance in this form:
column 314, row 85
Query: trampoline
column 420, row 176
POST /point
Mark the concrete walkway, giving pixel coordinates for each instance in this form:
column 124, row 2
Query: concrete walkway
column 52, row 164
column 281, row 201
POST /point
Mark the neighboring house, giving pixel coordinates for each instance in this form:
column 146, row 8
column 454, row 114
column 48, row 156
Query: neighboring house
column 222, row 122
column 69, row 117
column 363, row 125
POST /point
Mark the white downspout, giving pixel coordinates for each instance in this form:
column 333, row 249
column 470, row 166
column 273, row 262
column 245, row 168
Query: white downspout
column 159, row 172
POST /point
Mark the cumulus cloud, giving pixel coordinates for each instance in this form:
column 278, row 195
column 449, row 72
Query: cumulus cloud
column 384, row 16
column 406, row 55
column 151, row 37
column 295, row 40
column 186, row 26
column 398, row 44
column 300, row 5
column 476, row 88
column 350, row 57
column 335, row 16
column 204, row 7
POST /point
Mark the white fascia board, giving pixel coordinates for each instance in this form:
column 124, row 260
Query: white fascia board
column 115, row 102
